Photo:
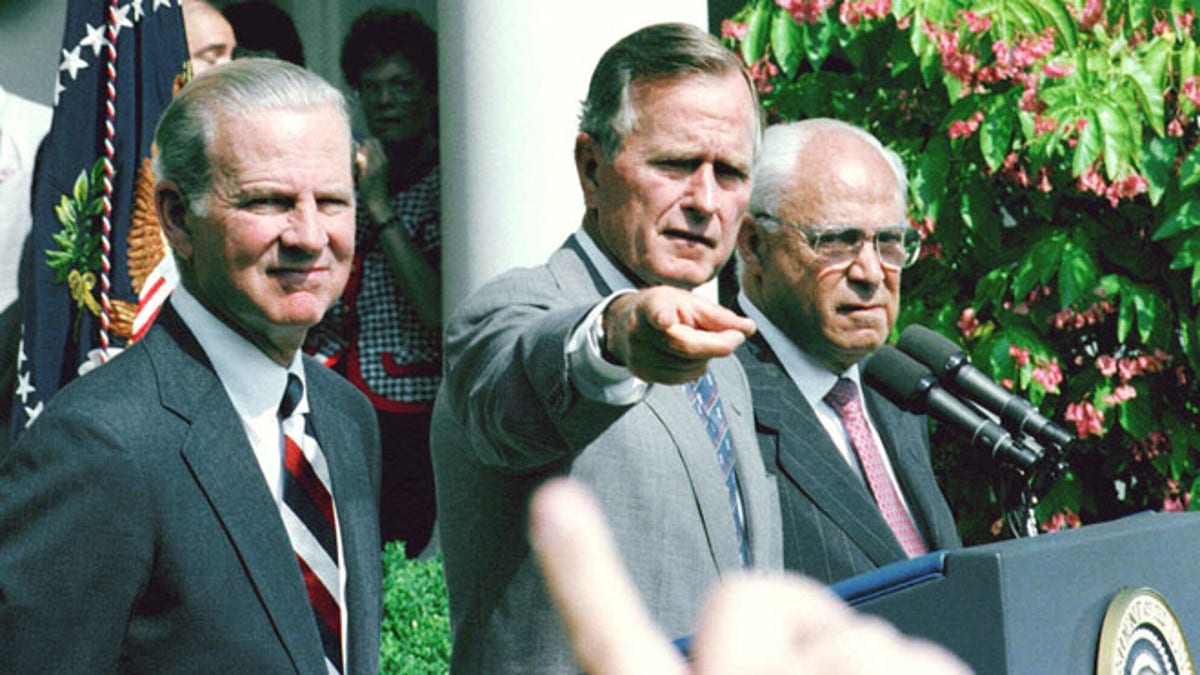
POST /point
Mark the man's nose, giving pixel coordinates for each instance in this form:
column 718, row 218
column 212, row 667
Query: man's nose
column 702, row 188
column 304, row 228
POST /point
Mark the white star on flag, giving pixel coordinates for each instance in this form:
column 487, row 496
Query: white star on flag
column 161, row 3
column 95, row 39
column 72, row 63
column 122, row 19
column 137, row 10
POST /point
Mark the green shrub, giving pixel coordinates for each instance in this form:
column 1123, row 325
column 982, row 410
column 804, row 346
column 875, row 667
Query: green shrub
column 416, row 615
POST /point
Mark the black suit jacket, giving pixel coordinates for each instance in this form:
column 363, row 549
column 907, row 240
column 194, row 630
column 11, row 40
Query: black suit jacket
column 137, row 533
column 832, row 527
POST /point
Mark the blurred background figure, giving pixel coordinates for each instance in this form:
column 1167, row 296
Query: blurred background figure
column 210, row 38
column 263, row 29
column 385, row 333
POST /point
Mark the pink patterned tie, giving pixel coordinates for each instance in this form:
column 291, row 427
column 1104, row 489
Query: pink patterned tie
column 844, row 399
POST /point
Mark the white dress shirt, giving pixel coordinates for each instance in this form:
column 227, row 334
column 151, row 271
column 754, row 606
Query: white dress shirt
column 23, row 123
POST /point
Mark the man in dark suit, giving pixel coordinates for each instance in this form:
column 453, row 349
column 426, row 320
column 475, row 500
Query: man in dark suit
column 166, row 514
column 821, row 255
column 587, row 366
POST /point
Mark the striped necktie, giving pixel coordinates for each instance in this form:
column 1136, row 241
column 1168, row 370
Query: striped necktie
column 308, row 514
column 844, row 399
column 706, row 401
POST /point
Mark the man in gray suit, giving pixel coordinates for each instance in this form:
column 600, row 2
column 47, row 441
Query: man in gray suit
column 821, row 255
column 164, row 514
column 588, row 366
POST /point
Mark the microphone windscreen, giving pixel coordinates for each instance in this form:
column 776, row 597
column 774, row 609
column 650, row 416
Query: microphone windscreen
column 927, row 346
column 897, row 376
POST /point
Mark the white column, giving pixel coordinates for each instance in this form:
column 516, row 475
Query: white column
column 512, row 75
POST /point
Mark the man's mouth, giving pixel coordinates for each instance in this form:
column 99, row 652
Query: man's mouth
column 690, row 237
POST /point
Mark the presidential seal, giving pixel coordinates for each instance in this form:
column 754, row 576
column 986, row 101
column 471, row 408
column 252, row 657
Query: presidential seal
column 1141, row 636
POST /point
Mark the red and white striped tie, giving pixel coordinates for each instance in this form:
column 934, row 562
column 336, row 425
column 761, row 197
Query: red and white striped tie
column 844, row 399
column 308, row 514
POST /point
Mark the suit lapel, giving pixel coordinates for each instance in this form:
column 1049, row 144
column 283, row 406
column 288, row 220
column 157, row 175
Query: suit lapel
column 219, row 455
column 698, row 456
column 808, row 458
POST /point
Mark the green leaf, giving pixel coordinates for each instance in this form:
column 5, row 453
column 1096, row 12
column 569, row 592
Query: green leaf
column 991, row 287
column 1186, row 217
column 1146, row 71
column 1136, row 416
column 1189, row 169
column 1077, row 274
column 1189, row 253
column 929, row 181
column 1038, row 266
column 996, row 133
column 1119, row 146
column 758, row 23
column 1158, row 165
column 1091, row 142
column 80, row 191
column 787, row 43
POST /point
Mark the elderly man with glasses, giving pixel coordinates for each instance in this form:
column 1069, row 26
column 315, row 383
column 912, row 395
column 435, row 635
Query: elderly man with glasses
column 821, row 252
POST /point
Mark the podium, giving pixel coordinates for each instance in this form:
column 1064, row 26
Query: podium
column 1038, row 605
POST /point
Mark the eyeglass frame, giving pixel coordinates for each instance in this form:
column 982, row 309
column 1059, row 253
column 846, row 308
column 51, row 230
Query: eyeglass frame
column 814, row 236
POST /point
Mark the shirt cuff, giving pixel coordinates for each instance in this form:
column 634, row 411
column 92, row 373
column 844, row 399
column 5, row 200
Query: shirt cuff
column 593, row 376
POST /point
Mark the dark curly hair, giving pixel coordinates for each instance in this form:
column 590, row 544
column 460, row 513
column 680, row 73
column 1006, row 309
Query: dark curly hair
column 382, row 32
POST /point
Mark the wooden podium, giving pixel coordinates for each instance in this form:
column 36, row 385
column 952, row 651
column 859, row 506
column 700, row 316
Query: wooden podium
column 1039, row 605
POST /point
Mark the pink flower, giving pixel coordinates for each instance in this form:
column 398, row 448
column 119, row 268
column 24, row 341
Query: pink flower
column 1106, row 364
column 967, row 324
column 805, row 11
column 1092, row 14
column 1007, row 383
column 734, row 29
column 1191, row 89
column 761, row 72
column 1058, row 69
column 1020, row 356
column 1088, row 420
column 964, row 128
column 1174, row 499
column 1049, row 375
column 976, row 23
column 1061, row 520
column 1154, row 444
column 852, row 12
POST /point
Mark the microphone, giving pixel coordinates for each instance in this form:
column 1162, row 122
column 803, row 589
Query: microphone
column 954, row 370
column 914, row 388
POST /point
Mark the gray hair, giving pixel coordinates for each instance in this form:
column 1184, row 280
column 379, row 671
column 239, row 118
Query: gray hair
column 667, row 50
column 239, row 87
column 778, row 163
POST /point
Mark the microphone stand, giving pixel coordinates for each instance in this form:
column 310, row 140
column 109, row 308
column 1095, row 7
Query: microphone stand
column 1023, row 489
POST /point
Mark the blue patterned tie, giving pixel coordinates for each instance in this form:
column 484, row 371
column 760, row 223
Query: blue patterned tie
column 706, row 401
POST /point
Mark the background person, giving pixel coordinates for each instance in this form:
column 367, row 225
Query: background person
column 166, row 513
column 602, row 364
column 821, row 255
column 385, row 333
column 210, row 38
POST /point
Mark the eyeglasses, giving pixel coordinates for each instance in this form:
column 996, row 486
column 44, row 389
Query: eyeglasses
column 836, row 245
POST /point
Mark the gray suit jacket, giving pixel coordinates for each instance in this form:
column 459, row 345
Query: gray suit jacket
column 832, row 527
column 507, row 418
column 137, row 533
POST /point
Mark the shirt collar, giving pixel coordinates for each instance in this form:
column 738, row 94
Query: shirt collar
column 812, row 378
column 612, row 276
column 254, row 382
